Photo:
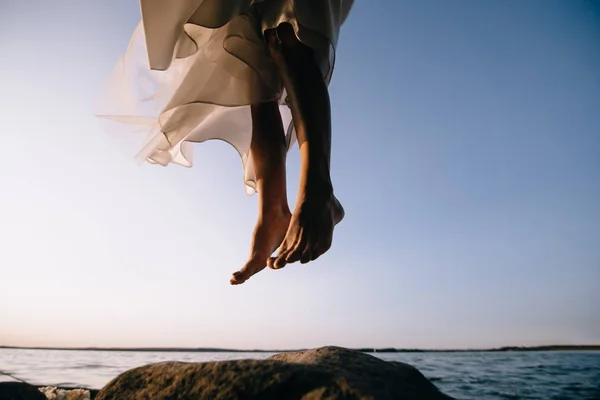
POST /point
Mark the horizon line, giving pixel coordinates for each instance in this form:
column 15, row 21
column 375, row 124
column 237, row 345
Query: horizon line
column 555, row 347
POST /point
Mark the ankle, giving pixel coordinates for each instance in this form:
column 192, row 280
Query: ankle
column 316, row 191
column 270, row 211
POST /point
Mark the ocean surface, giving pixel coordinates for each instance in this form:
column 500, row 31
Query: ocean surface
column 549, row 375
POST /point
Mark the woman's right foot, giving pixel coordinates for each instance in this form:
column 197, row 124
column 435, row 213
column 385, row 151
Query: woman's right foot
column 311, row 230
column 268, row 234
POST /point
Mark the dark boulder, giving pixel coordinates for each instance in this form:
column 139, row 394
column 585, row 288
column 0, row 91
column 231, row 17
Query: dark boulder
column 19, row 391
column 327, row 373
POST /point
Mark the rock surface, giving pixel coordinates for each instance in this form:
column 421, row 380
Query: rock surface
column 19, row 391
column 330, row 373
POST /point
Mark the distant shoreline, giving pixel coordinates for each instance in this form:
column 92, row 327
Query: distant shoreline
column 364, row 349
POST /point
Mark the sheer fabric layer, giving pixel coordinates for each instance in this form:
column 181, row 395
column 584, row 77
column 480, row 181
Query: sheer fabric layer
column 194, row 67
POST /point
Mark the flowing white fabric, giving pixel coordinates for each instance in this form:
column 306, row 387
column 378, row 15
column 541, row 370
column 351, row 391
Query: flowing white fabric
column 193, row 68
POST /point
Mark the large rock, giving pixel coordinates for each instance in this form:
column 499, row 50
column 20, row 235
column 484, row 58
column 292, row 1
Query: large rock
column 327, row 373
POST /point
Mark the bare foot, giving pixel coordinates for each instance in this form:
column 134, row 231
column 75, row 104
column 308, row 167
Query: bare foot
column 268, row 234
column 310, row 232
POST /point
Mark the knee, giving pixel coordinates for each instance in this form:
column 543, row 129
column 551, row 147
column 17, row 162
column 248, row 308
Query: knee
column 282, row 41
column 287, row 35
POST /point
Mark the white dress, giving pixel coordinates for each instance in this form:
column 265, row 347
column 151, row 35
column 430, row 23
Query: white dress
column 194, row 67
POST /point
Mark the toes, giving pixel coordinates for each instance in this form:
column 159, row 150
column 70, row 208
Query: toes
column 238, row 278
column 303, row 251
column 273, row 263
column 252, row 267
column 312, row 252
column 306, row 258
column 295, row 254
column 306, row 255
column 280, row 261
column 320, row 249
column 286, row 251
column 319, row 252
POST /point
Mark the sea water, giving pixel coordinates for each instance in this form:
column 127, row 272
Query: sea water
column 549, row 375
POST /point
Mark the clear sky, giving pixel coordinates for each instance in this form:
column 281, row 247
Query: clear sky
column 466, row 153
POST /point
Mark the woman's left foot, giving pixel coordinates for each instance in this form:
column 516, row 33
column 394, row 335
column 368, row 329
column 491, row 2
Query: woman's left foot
column 310, row 232
column 268, row 234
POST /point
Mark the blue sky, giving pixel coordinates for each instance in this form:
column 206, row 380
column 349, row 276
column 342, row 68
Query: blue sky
column 466, row 153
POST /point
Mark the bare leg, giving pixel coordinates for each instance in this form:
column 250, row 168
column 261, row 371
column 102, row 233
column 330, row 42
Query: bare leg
column 317, row 210
column 268, row 148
